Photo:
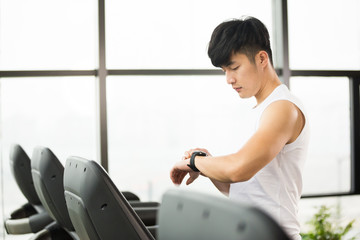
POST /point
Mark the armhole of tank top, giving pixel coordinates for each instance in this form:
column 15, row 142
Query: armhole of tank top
column 297, row 106
column 304, row 124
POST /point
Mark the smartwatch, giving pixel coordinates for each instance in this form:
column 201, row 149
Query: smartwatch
column 192, row 160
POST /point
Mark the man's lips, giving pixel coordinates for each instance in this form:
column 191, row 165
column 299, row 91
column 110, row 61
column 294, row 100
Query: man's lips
column 237, row 88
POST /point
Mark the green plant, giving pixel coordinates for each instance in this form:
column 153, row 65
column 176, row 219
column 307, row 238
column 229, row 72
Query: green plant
column 323, row 229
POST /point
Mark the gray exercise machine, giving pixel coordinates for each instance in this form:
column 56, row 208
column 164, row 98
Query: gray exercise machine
column 30, row 217
column 193, row 215
column 98, row 210
column 47, row 173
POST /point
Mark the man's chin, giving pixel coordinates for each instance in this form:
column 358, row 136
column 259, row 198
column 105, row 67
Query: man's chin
column 242, row 96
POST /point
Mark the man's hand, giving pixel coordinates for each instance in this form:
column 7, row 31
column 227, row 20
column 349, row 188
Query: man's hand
column 181, row 169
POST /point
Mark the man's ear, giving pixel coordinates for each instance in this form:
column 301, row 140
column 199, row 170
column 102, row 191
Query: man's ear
column 263, row 58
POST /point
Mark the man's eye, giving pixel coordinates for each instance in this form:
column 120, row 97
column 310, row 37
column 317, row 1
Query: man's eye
column 235, row 68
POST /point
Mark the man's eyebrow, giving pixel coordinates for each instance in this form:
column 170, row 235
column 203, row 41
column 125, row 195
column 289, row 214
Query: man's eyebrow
column 229, row 63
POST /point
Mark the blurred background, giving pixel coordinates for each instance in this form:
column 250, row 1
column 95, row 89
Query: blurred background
column 129, row 84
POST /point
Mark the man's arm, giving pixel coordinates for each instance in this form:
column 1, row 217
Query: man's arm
column 222, row 187
column 281, row 123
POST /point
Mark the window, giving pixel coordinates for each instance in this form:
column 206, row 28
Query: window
column 53, row 112
column 167, row 34
column 2, row 205
column 154, row 120
column 48, row 35
column 326, row 100
column 324, row 35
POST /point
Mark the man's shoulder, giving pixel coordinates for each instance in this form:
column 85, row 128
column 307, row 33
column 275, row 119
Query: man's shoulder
column 280, row 115
column 281, row 108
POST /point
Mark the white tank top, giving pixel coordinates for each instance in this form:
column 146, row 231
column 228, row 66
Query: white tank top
column 277, row 187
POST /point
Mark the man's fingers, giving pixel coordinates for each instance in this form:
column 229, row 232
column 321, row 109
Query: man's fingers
column 177, row 176
column 190, row 180
column 187, row 155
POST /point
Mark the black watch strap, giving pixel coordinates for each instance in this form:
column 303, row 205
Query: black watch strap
column 192, row 160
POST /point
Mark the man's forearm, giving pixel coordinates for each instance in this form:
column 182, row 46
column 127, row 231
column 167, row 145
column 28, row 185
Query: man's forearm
column 222, row 187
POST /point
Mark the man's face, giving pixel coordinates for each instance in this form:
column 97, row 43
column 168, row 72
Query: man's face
column 243, row 75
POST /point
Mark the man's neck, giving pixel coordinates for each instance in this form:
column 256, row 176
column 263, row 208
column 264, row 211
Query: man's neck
column 271, row 82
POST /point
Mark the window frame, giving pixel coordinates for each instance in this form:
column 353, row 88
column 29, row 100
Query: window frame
column 280, row 20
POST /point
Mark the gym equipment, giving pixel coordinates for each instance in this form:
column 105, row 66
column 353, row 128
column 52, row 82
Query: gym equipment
column 30, row 217
column 98, row 210
column 47, row 173
column 193, row 215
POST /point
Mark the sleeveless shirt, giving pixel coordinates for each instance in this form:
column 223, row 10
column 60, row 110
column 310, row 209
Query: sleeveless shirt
column 277, row 187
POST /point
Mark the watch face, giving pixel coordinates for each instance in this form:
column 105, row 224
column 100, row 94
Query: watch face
column 199, row 153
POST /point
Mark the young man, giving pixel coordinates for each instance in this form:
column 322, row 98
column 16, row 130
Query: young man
column 267, row 170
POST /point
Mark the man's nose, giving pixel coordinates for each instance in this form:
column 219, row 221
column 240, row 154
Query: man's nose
column 230, row 79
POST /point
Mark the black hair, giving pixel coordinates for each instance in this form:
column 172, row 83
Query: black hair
column 247, row 36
